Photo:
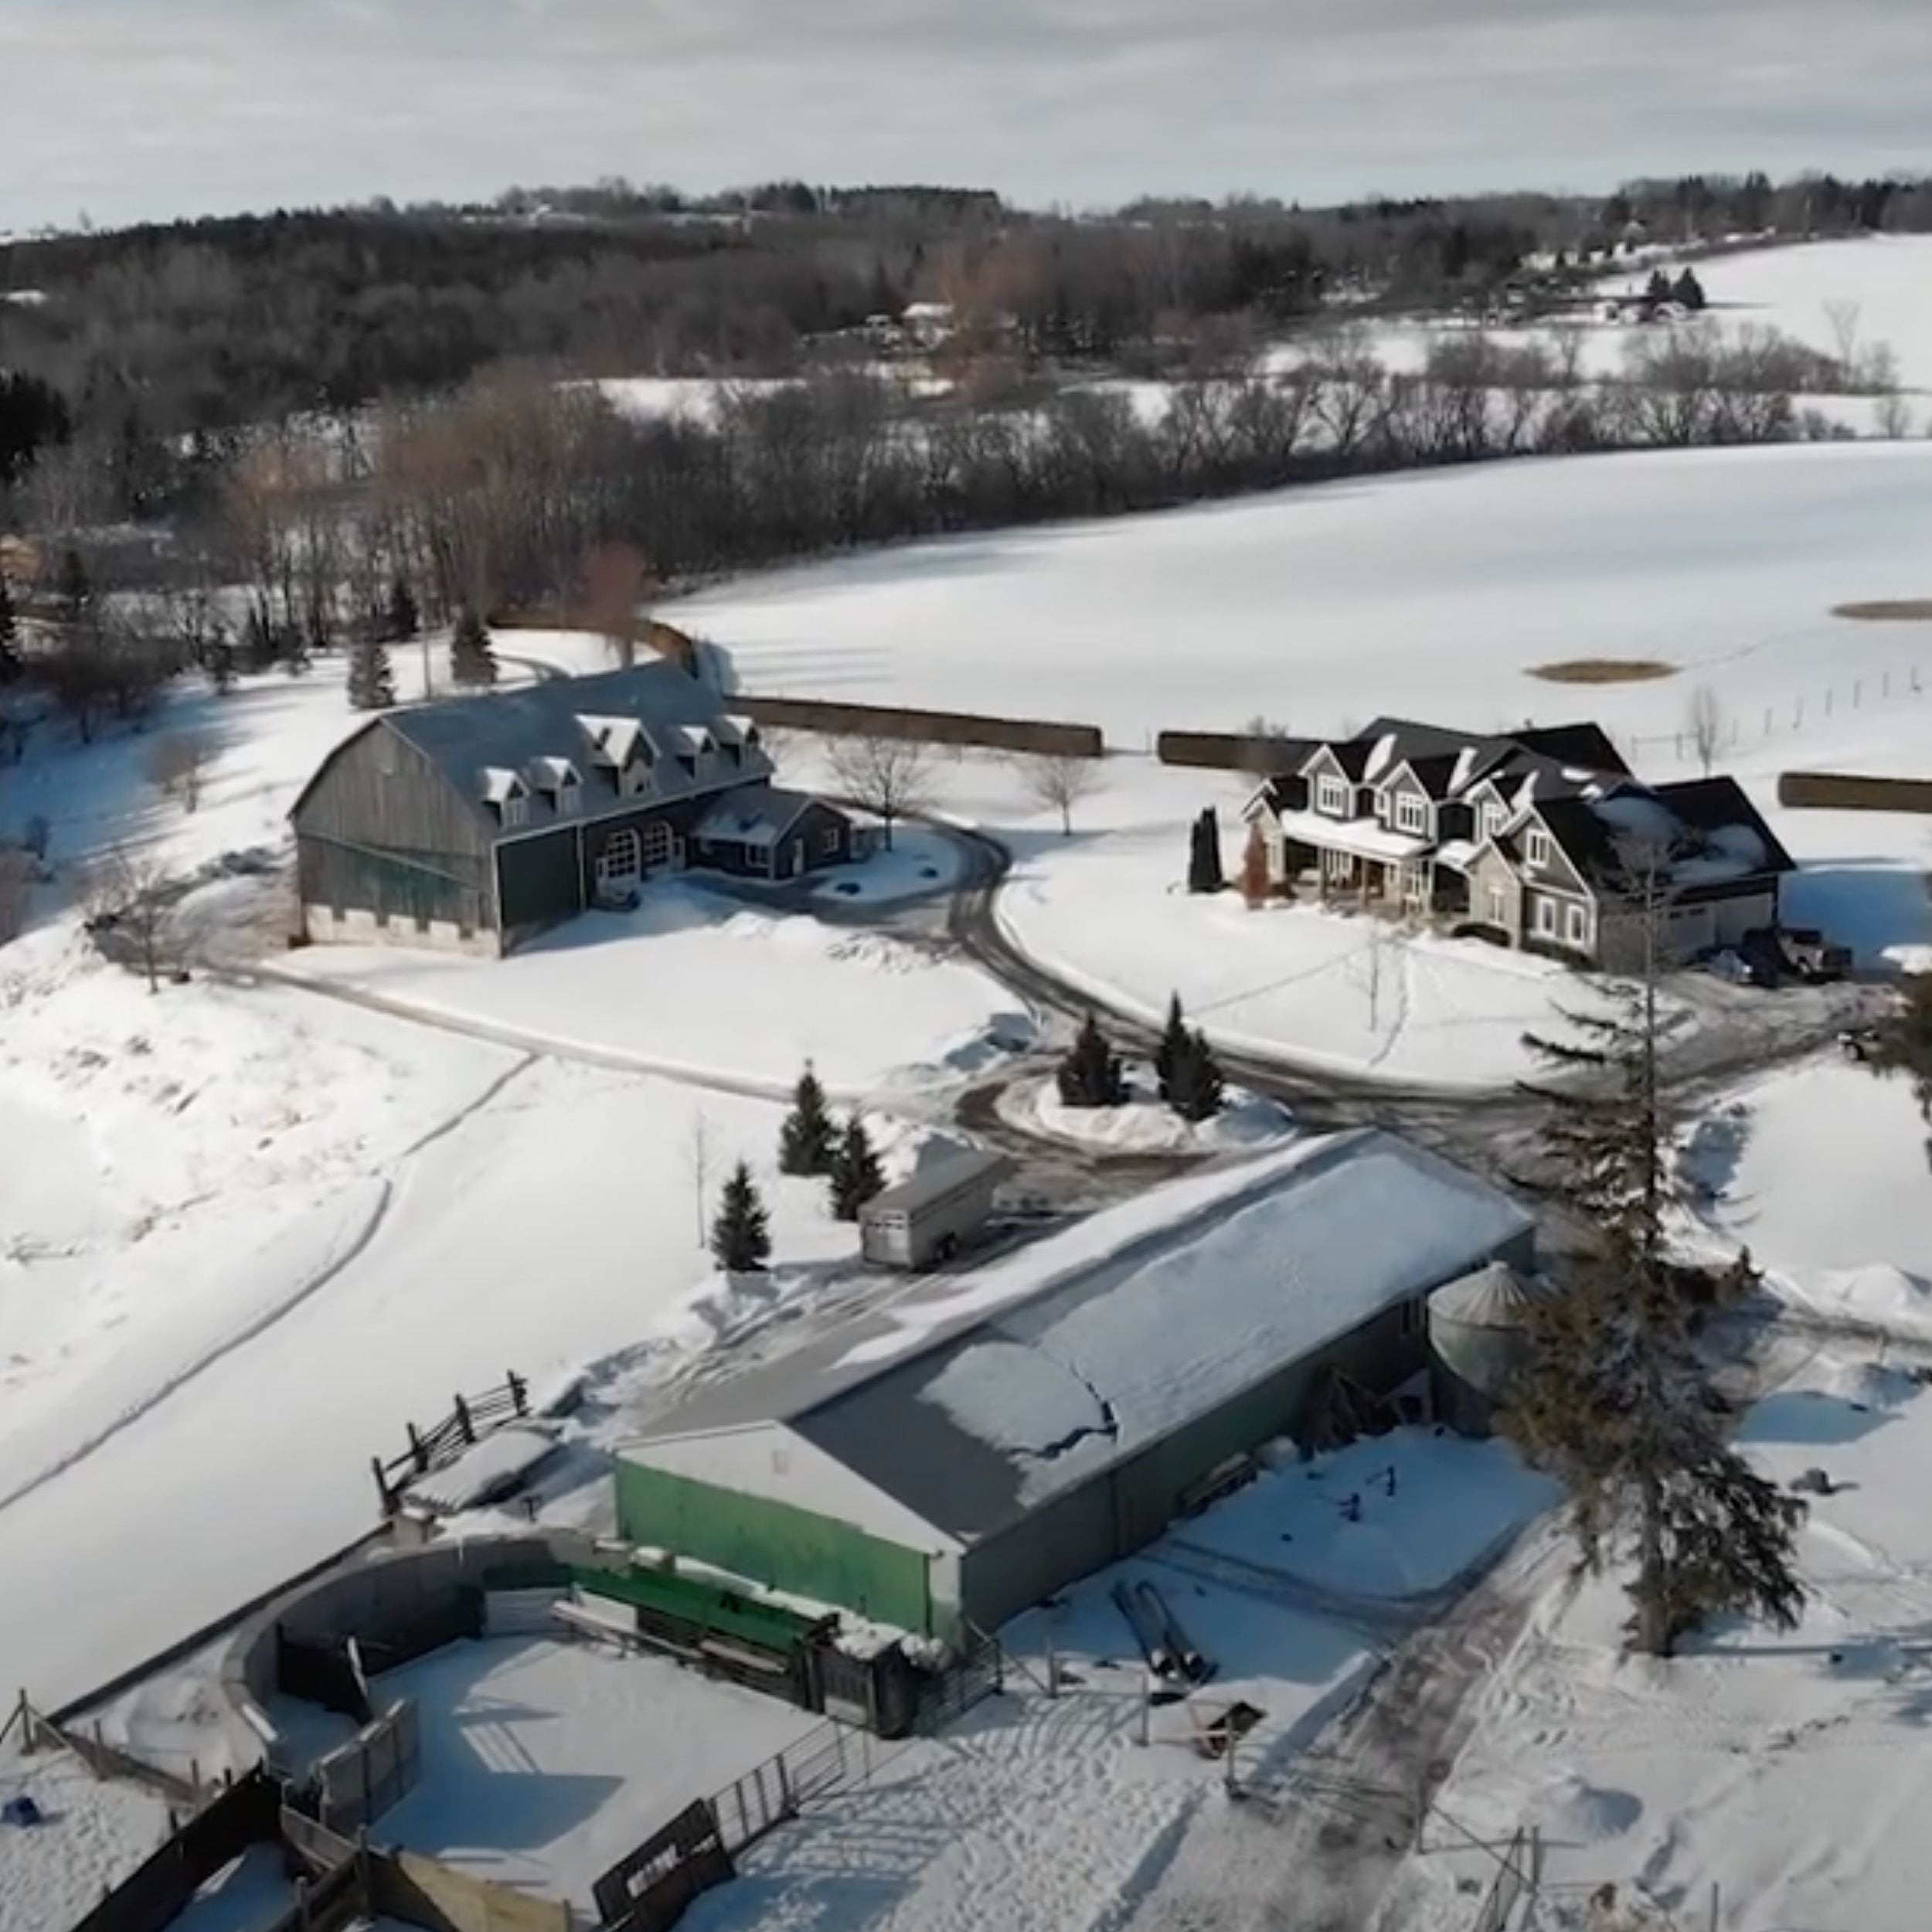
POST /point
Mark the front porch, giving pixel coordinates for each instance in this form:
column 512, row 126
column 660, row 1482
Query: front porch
column 1414, row 890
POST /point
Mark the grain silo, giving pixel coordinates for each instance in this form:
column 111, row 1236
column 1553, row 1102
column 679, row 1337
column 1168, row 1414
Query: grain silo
column 1478, row 1326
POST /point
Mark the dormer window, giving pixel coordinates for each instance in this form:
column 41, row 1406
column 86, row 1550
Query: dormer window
column 1412, row 814
column 1494, row 817
column 570, row 794
column 1331, row 798
column 513, row 812
column 1536, row 847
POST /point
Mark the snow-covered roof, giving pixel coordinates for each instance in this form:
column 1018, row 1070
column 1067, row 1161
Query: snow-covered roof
column 551, row 774
column 1456, row 853
column 1363, row 837
column 969, row 1426
column 769, row 1460
column 496, row 784
column 1383, row 751
column 754, row 815
column 1494, row 1297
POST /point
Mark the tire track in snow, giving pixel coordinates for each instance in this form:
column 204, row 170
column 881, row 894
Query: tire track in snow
column 331, row 1270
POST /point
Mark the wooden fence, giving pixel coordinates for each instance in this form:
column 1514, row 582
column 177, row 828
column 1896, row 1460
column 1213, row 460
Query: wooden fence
column 1230, row 751
column 39, row 1732
column 470, row 1419
column 1038, row 736
column 1844, row 791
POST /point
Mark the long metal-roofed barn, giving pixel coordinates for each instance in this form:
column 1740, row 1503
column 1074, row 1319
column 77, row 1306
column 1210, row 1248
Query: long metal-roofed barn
column 994, row 1436
column 470, row 823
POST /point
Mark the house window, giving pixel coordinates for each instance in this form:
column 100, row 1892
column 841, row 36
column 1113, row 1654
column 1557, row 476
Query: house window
column 637, row 777
column 1411, row 1322
column 514, row 811
column 1536, row 847
column 1499, row 906
column 621, row 859
column 1546, row 918
column 1494, row 819
column 1332, row 796
column 568, row 796
column 1577, row 925
column 828, row 840
column 1412, row 814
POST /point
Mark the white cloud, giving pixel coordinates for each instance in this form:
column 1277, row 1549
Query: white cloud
column 129, row 108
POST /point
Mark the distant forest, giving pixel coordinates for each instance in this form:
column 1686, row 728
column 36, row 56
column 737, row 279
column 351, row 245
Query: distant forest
column 143, row 336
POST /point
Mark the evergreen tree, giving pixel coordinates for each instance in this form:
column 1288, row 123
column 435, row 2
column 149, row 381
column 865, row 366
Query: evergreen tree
column 807, row 1141
column 372, row 684
column 75, row 592
column 1199, row 1090
column 856, row 1175
column 1173, row 1048
column 1204, row 873
column 404, row 619
column 1090, row 1074
column 1689, row 291
column 472, row 655
column 10, row 665
column 741, row 1234
column 1657, row 288
column 1614, row 1399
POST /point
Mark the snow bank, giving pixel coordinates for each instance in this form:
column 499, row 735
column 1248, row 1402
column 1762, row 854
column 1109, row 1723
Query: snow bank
column 1145, row 1124
column 1820, row 1169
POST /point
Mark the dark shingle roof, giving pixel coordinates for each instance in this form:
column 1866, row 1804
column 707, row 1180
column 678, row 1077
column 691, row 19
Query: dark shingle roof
column 511, row 731
column 1585, row 745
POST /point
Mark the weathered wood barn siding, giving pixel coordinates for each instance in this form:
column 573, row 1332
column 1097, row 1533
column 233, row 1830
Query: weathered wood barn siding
column 379, row 831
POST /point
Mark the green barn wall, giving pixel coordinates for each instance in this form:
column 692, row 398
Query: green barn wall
column 775, row 1544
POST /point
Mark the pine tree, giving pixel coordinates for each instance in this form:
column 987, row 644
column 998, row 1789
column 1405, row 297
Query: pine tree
column 472, row 655
column 404, row 619
column 1090, row 1074
column 1204, row 873
column 10, row 666
column 1615, row 1400
column 855, row 1174
column 1198, row 1090
column 808, row 1140
column 75, row 592
column 372, row 684
column 1689, row 291
column 1173, row 1048
column 741, row 1234
column 1657, row 288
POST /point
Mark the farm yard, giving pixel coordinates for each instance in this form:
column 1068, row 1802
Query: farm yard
column 256, row 1221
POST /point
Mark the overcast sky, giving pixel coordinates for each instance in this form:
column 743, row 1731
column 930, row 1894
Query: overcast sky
column 129, row 109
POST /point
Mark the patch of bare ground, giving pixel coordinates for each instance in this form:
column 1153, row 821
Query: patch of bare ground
column 1888, row 611
column 1603, row 671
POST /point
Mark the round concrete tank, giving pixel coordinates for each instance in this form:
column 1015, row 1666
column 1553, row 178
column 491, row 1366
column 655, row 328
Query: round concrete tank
column 1479, row 1328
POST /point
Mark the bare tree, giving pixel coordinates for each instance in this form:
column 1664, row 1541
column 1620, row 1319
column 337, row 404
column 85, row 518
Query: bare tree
column 1844, row 317
column 177, row 766
column 1704, row 723
column 887, row 777
column 16, row 888
column 129, row 902
column 1058, row 783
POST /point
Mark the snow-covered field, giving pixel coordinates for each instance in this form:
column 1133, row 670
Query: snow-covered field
column 1430, row 598
column 697, row 982
column 92, row 1836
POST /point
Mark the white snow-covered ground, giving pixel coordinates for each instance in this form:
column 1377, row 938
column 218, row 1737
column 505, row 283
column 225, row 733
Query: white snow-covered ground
column 1429, row 597
column 1144, row 1124
column 1789, row 1772
column 93, row 1836
column 1048, row 1815
column 694, row 981
column 1822, row 1171
column 544, row 1763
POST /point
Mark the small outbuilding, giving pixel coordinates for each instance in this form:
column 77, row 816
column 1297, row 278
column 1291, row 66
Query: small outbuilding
column 1479, row 1327
column 930, row 1217
column 986, row 1439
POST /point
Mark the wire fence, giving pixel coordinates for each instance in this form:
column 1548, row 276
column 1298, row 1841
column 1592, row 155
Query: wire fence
column 1733, row 728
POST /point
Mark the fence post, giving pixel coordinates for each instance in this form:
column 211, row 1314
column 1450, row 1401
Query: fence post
column 519, row 1394
column 464, row 1426
column 418, row 1454
column 1147, row 1701
column 382, row 1486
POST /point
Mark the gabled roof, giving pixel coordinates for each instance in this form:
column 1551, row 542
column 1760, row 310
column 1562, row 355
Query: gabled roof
column 1711, row 832
column 753, row 816
column 1587, row 746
